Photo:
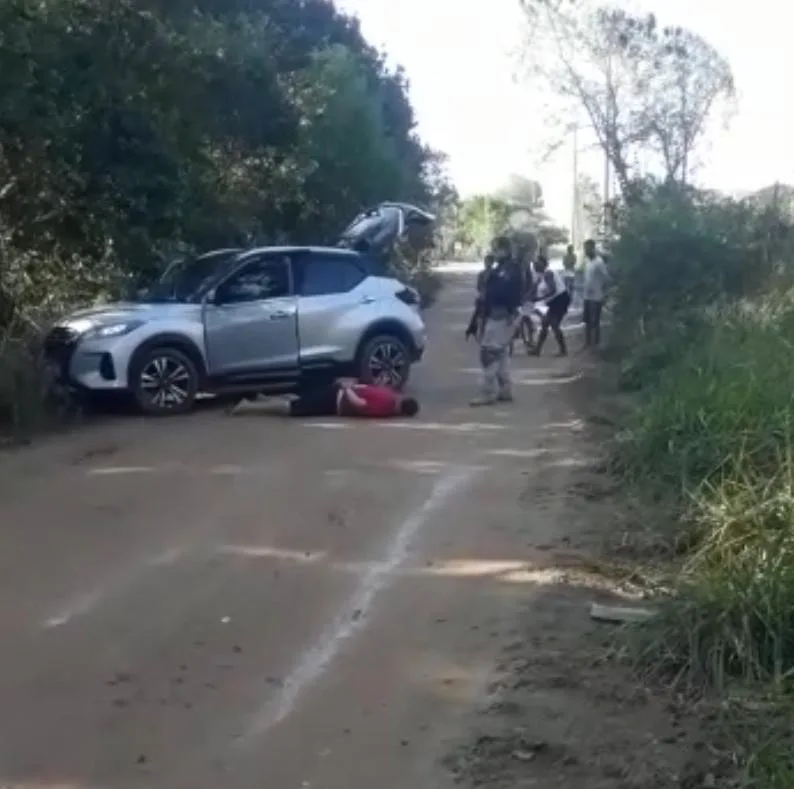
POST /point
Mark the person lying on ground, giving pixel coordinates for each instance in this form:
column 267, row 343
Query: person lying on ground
column 555, row 296
column 344, row 397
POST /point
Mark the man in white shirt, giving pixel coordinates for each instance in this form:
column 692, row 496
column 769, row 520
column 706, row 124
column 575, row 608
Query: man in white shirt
column 553, row 299
column 596, row 277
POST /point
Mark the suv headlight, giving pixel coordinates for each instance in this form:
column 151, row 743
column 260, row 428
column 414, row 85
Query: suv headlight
column 112, row 330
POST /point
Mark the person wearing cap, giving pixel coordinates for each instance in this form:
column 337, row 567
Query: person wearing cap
column 501, row 303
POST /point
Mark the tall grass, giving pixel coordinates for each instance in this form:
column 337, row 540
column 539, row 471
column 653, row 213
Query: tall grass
column 722, row 401
column 705, row 336
column 716, row 426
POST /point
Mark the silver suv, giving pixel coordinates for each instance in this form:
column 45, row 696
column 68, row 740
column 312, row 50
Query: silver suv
column 270, row 319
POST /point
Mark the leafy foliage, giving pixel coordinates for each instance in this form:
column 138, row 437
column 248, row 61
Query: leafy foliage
column 681, row 250
column 704, row 311
column 523, row 192
column 515, row 210
column 127, row 128
column 479, row 219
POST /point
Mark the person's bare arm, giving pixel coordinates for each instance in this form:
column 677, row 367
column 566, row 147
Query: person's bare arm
column 548, row 278
column 354, row 399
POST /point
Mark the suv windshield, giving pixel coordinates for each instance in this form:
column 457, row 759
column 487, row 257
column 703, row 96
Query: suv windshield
column 187, row 278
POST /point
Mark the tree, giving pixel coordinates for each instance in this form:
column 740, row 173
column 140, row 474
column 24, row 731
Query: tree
column 777, row 197
column 521, row 191
column 643, row 90
column 589, row 208
column 130, row 130
column 344, row 140
column 444, row 201
column 691, row 78
column 480, row 218
column 552, row 235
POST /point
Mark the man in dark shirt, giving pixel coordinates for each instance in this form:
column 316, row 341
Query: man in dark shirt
column 474, row 329
column 482, row 277
column 500, row 306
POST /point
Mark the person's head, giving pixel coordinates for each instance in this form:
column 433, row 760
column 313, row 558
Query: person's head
column 570, row 249
column 489, row 261
column 541, row 262
column 590, row 248
column 502, row 248
column 409, row 406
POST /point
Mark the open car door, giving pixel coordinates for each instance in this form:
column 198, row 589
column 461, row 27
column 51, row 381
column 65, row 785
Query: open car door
column 377, row 230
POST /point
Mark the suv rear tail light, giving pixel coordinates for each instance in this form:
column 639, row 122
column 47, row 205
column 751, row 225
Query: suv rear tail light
column 408, row 296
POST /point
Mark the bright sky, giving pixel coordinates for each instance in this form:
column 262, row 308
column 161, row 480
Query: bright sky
column 459, row 57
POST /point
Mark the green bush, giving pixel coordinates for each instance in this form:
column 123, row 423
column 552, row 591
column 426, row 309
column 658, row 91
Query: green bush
column 705, row 330
column 427, row 283
column 720, row 395
column 718, row 428
column 27, row 402
column 680, row 251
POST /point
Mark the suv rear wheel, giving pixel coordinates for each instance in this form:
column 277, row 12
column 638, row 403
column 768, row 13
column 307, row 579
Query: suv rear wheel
column 385, row 360
column 164, row 381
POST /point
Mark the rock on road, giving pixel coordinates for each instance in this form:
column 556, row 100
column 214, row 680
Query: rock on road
column 256, row 602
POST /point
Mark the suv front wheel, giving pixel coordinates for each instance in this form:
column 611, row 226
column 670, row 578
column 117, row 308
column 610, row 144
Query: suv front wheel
column 164, row 381
column 385, row 360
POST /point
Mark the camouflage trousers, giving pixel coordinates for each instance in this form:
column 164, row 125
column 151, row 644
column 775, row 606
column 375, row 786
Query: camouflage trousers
column 495, row 358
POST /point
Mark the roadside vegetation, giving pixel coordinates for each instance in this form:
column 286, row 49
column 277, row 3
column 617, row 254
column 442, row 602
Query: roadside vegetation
column 132, row 132
column 516, row 209
column 702, row 334
column 703, row 327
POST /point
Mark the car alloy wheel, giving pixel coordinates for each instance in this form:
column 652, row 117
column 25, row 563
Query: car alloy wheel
column 166, row 383
column 388, row 363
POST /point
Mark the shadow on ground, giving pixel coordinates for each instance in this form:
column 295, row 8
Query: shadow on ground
column 562, row 710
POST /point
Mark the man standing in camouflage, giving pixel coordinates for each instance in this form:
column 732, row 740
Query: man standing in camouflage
column 500, row 305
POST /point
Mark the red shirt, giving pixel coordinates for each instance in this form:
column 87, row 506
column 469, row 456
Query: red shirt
column 379, row 401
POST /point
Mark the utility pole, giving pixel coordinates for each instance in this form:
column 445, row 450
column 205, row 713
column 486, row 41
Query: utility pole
column 575, row 206
column 607, row 140
column 685, row 123
column 488, row 228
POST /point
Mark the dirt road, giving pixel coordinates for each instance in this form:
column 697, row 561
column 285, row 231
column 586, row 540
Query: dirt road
column 255, row 602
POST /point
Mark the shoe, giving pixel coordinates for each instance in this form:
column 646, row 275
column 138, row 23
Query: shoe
column 235, row 405
column 505, row 397
column 478, row 401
